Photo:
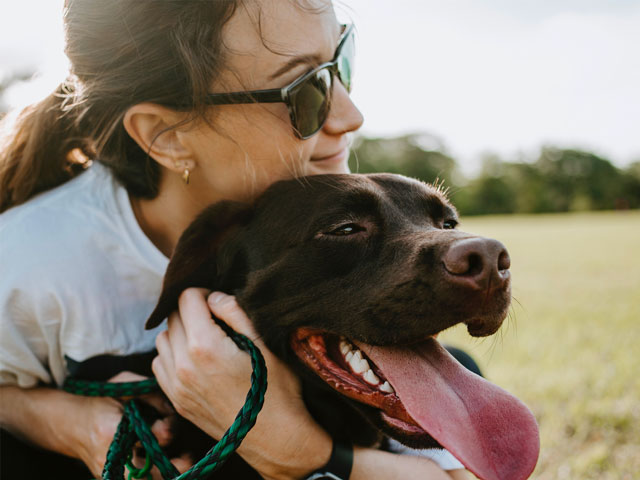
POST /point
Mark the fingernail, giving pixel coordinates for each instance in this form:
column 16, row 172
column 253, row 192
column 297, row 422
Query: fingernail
column 216, row 297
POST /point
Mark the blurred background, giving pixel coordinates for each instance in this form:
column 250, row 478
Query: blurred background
column 529, row 112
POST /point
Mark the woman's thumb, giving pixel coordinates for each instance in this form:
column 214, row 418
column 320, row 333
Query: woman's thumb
column 227, row 309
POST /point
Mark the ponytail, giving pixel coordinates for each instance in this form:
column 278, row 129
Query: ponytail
column 122, row 53
column 40, row 148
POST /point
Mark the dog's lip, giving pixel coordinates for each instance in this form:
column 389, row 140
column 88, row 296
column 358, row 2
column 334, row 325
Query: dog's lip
column 403, row 427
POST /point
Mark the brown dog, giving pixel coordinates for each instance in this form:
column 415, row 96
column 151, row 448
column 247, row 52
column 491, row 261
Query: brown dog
column 348, row 278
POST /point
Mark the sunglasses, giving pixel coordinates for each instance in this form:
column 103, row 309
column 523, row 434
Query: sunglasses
column 308, row 97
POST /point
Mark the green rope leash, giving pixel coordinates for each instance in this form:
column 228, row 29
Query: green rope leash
column 107, row 389
column 133, row 428
column 140, row 472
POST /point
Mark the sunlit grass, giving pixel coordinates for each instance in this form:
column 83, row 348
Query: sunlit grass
column 570, row 349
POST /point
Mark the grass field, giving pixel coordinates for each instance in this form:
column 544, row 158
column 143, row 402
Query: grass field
column 571, row 347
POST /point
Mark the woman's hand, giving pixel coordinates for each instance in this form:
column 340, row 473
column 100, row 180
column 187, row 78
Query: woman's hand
column 100, row 417
column 96, row 421
column 42, row 416
column 206, row 377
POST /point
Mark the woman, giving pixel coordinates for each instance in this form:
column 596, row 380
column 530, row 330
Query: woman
column 84, row 259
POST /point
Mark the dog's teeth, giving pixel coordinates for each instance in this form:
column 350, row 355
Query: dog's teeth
column 358, row 364
column 371, row 378
column 345, row 347
column 385, row 387
column 362, row 367
column 348, row 356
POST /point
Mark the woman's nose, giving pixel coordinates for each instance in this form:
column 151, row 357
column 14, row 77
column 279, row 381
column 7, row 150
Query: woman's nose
column 344, row 116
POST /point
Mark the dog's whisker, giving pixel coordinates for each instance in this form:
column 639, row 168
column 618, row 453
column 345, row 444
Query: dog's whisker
column 511, row 320
column 357, row 159
column 494, row 343
column 513, row 312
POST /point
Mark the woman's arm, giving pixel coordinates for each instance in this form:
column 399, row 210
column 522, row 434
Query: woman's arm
column 197, row 361
column 78, row 427
column 376, row 464
column 72, row 425
column 459, row 474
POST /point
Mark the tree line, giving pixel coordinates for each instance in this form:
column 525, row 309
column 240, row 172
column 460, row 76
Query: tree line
column 558, row 180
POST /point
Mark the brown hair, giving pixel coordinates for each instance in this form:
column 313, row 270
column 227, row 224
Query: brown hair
column 122, row 53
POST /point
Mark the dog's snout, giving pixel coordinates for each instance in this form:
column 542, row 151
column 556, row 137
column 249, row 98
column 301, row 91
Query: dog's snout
column 479, row 263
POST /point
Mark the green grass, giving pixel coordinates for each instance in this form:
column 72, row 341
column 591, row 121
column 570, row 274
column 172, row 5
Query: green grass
column 570, row 348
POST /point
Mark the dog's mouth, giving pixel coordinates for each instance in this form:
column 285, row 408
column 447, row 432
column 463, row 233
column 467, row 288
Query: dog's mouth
column 349, row 371
column 422, row 391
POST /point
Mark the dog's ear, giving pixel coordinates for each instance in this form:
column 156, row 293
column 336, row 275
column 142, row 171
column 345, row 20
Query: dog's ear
column 195, row 261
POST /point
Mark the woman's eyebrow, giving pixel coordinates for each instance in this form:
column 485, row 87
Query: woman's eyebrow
column 310, row 60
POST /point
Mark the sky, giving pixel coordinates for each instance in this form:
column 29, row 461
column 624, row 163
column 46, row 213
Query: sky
column 477, row 76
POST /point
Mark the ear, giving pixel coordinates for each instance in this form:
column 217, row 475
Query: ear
column 195, row 261
column 153, row 127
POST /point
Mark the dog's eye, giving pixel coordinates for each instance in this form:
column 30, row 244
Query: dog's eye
column 449, row 224
column 347, row 229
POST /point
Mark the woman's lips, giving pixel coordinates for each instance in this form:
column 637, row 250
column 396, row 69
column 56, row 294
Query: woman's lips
column 336, row 158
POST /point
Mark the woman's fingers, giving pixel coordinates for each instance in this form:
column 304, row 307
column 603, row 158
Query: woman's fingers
column 161, row 428
column 176, row 336
column 127, row 376
column 227, row 309
column 192, row 305
column 138, row 460
column 162, row 366
column 183, row 463
column 156, row 400
column 199, row 330
column 159, row 402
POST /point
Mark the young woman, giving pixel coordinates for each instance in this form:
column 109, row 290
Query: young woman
column 99, row 180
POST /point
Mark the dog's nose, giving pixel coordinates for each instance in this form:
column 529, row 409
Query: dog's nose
column 479, row 263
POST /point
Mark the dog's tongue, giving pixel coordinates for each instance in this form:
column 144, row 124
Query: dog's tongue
column 490, row 431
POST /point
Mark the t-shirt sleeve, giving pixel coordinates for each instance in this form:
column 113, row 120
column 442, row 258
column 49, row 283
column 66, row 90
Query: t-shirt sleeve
column 23, row 346
column 29, row 312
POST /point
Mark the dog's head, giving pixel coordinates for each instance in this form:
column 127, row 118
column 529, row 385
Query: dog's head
column 348, row 278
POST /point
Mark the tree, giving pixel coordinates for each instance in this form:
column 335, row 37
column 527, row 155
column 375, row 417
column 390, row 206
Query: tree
column 577, row 180
column 403, row 155
column 559, row 180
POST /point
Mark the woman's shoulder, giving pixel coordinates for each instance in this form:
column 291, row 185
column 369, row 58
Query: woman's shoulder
column 92, row 188
column 86, row 223
column 57, row 217
column 89, row 191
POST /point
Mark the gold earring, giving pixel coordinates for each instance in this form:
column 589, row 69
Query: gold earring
column 185, row 176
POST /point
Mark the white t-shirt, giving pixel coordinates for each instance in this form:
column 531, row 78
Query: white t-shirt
column 78, row 277
column 442, row 457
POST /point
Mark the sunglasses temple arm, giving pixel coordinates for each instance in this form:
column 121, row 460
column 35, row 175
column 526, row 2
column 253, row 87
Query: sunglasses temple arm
column 274, row 95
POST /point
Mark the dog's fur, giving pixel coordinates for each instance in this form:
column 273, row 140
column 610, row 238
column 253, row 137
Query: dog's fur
column 360, row 256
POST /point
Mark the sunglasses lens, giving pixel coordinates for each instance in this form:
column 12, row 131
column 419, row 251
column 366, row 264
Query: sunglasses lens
column 345, row 61
column 310, row 102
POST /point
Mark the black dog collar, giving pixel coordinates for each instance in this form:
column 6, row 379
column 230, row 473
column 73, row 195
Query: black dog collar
column 339, row 465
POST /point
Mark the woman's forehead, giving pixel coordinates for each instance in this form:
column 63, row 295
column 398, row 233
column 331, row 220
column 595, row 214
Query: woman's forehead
column 263, row 37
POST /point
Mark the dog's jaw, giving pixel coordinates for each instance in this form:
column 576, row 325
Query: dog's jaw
column 348, row 371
